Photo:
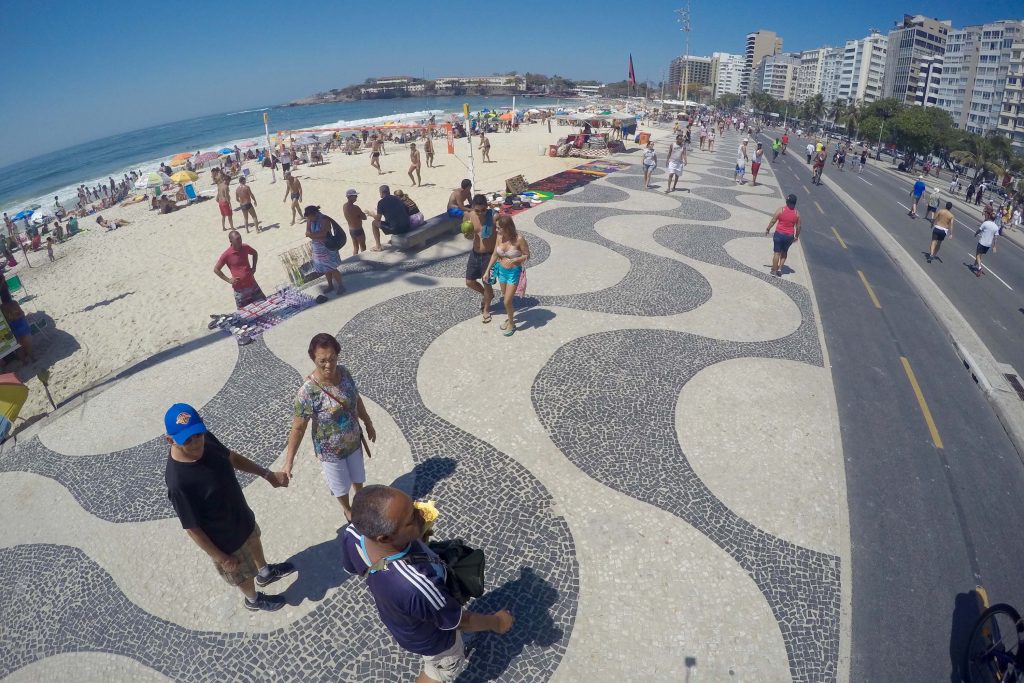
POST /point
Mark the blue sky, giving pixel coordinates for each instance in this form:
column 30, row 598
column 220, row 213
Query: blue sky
column 75, row 71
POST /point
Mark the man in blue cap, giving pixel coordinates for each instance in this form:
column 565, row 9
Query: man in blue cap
column 205, row 493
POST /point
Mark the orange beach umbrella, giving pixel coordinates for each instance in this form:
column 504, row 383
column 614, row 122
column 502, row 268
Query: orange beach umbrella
column 182, row 155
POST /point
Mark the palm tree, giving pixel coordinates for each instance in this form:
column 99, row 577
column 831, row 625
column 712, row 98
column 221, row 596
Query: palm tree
column 835, row 110
column 979, row 152
column 851, row 118
column 814, row 107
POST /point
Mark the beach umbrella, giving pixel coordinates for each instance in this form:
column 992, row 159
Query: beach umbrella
column 40, row 218
column 306, row 139
column 178, row 162
column 507, row 116
column 207, row 156
column 22, row 215
column 182, row 177
column 182, row 155
column 153, row 179
column 225, row 150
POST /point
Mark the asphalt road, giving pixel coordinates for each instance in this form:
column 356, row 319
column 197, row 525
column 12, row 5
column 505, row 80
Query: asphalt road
column 935, row 487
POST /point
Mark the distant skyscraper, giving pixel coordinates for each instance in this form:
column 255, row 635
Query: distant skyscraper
column 975, row 73
column 1011, row 118
column 917, row 36
column 760, row 44
column 726, row 73
column 863, row 63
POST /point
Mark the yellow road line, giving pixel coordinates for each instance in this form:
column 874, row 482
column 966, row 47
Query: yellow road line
column 841, row 242
column 871, row 292
column 936, row 439
column 819, row 206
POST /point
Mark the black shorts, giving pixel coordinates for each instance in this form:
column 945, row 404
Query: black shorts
column 938, row 234
column 476, row 266
column 286, row 167
column 982, row 249
column 357, row 234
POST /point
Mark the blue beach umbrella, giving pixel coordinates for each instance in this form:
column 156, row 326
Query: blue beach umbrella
column 225, row 150
column 22, row 215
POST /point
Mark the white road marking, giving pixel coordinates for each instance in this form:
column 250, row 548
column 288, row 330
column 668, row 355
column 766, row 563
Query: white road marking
column 989, row 270
column 871, row 184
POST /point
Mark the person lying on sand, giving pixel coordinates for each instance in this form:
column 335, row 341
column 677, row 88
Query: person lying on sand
column 112, row 224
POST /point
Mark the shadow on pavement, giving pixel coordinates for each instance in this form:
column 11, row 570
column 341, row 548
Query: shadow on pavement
column 966, row 610
column 319, row 569
column 528, row 598
column 424, row 476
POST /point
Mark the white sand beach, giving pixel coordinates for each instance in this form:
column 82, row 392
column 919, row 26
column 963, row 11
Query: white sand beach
column 118, row 297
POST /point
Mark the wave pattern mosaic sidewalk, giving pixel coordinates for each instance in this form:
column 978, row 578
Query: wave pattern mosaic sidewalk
column 607, row 396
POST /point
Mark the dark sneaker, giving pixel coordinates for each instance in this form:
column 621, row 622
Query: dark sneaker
column 274, row 573
column 266, row 603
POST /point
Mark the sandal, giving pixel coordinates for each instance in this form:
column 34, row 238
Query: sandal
column 487, row 317
column 505, row 325
column 510, row 331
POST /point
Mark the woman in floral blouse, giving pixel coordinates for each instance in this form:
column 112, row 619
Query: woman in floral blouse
column 329, row 397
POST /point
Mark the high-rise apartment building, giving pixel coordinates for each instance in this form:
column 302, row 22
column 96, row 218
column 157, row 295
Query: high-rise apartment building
column 694, row 69
column 860, row 79
column 809, row 76
column 1011, row 118
column 917, row 36
column 928, row 80
column 777, row 76
column 831, row 73
column 760, row 44
column 726, row 73
column 974, row 73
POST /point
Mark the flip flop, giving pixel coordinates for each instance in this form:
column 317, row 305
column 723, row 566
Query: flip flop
column 510, row 331
column 486, row 318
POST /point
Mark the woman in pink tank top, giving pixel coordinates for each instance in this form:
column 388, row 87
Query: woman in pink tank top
column 787, row 230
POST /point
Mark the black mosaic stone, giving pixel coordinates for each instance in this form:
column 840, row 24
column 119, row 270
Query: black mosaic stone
column 251, row 413
column 595, row 194
column 690, row 207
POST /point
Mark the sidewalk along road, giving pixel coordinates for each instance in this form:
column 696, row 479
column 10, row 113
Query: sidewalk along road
column 935, row 486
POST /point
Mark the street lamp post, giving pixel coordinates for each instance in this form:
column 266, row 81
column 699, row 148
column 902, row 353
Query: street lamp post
column 684, row 19
column 878, row 150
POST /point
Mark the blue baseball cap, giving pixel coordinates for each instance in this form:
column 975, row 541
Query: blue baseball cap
column 182, row 421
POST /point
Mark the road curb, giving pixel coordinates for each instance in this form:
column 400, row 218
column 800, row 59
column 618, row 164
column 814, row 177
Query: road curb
column 972, row 351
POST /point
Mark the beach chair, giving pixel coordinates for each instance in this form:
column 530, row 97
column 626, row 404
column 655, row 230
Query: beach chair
column 15, row 285
column 245, row 173
column 190, row 192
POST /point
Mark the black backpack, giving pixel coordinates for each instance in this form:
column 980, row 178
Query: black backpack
column 464, row 578
column 337, row 237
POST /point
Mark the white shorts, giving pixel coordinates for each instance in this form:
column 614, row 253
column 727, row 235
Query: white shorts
column 676, row 168
column 341, row 474
column 446, row 666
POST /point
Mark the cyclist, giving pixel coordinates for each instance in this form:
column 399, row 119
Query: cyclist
column 818, row 167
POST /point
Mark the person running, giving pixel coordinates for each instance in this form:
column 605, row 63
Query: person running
column 934, row 199
column 482, row 220
column 810, row 151
column 650, row 163
column 841, row 157
column 741, row 162
column 916, row 192
column 243, row 275
column 414, row 164
column 755, row 164
column 247, row 203
column 786, row 221
column 785, row 141
column 676, row 162
column 325, row 260
column 330, row 399
column 942, row 227
column 776, row 146
column 293, row 191
column 355, row 216
column 986, row 234
column 507, row 265
column 863, row 161
column 209, row 502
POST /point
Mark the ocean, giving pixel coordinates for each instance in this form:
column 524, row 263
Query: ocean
column 38, row 180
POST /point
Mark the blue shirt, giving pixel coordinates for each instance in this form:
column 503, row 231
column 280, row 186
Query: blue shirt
column 411, row 599
column 919, row 188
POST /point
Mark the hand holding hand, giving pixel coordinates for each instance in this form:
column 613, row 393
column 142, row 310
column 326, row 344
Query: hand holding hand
column 278, row 479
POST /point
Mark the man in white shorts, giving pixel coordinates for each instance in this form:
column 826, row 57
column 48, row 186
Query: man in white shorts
column 741, row 161
column 676, row 162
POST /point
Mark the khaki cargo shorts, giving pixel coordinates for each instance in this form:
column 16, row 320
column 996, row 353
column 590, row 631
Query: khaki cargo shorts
column 247, row 568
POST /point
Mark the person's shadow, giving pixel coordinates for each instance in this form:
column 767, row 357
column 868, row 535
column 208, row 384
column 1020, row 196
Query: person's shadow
column 528, row 598
column 319, row 568
column 424, row 476
column 967, row 607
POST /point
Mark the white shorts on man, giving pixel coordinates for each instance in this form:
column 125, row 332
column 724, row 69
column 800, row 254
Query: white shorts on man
column 676, row 168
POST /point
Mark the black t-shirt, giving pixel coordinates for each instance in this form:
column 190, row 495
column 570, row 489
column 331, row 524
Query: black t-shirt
column 394, row 212
column 206, row 495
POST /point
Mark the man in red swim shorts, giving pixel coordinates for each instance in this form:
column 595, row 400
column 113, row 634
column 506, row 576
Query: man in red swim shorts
column 224, row 199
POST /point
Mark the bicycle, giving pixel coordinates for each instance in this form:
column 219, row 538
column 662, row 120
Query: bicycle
column 994, row 652
column 816, row 176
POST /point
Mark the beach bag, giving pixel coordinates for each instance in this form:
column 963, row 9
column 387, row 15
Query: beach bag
column 337, row 238
column 465, row 566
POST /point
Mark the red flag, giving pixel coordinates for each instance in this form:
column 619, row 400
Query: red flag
column 632, row 76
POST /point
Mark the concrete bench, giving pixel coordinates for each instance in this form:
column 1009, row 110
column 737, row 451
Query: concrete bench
column 438, row 225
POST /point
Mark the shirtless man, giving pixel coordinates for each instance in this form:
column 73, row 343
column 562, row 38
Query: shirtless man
column 459, row 198
column 375, row 149
column 484, row 239
column 485, row 145
column 414, row 164
column 355, row 216
column 246, row 202
column 428, row 149
column 223, row 181
column 293, row 190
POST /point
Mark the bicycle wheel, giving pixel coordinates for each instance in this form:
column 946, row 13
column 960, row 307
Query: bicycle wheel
column 993, row 651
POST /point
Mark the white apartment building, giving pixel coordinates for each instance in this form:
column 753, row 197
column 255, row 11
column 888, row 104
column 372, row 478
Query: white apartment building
column 512, row 83
column 929, row 75
column 808, row 77
column 915, row 37
column 588, row 90
column 975, row 72
column 831, row 71
column 387, row 84
column 777, row 76
column 760, row 44
column 726, row 73
column 695, row 70
column 1011, row 118
column 860, row 79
